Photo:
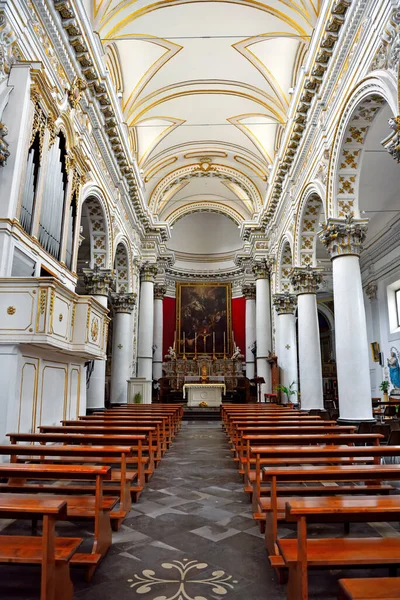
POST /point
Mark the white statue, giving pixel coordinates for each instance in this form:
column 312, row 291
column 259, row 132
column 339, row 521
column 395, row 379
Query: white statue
column 171, row 353
column 236, row 352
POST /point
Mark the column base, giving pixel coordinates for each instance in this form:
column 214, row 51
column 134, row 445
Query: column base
column 355, row 422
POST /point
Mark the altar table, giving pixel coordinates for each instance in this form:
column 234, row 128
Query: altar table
column 211, row 393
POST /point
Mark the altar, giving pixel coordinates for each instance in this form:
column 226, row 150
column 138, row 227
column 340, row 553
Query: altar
column 210, row 393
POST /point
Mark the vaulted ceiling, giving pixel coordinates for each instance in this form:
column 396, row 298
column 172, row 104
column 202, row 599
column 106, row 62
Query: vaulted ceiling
column 204, row 88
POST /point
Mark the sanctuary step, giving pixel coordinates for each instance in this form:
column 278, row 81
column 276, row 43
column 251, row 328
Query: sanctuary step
column 196, row 413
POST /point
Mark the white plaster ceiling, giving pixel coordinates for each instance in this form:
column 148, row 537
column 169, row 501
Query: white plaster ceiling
column 204, row 87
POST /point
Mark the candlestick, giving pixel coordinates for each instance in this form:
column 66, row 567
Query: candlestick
column 175, row 340
column 214, row 357
column 224, row 347
column 195, row 346
column 184, row 346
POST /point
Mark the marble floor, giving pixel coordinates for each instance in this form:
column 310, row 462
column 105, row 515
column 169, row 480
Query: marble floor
column 190, row 537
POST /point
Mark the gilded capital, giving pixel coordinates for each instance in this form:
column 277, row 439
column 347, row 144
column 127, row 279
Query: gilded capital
column 285, row 304
column 123, row 303
column 305, row 280
column 260, row 270
column 98, row 282
column 371, row 289
column 249, row 291
column 159, row 291
column 344, row 236
column 148, row 272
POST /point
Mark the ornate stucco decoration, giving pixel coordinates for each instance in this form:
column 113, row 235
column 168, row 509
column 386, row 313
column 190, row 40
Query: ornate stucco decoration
column 76, row 91
column 392, row 142
column 148, row 272
column 159, row 291
column 371, row 290
column 260, row 270
column 98, row 282
column 249, row 291
column 305, row 280
column 7, row 47
column 123, row 303
column 322, row 171
column 285, row 304
column 344, row 236
column 388, row 54
column 4, row 153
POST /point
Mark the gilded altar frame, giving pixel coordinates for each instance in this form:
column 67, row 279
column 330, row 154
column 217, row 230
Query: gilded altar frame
column 201, row 348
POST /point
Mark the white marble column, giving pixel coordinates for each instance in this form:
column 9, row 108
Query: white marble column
column 98, row 283
column 159, row 293
column 305, row 282
column 343, row 239
column 146, row 322
column 123, row 305
column 263, row 325
column 285, row 306
column 249, row 292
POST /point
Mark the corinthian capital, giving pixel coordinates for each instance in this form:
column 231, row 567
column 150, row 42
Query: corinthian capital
column 285, row 304
column 98, row 282
column 123, row 303
column 249, row 291
column 159, row 291
column 305, row 280
column 260, row 269
column 344, row 236
column 148, row 272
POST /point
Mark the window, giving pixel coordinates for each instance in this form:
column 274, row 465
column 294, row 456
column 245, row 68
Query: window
column 397, row 299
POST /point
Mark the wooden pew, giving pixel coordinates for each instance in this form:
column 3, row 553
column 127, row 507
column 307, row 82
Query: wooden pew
column 53, row 554
column 136, row 478
column 153, row 448
column 165, row 422
column 302, row 553
column 348, row 474
column 21, row 476
column 57, row 454
column 370, row 588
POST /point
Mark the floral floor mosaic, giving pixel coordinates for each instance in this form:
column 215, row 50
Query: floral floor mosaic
column 190, row 537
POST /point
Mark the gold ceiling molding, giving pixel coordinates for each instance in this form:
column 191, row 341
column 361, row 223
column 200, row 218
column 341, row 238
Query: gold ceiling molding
column 240, row 194
column 245, row 128
column 132, row 16
column 200, row 154
column 252, row 166
column 170, row 193
column 243, row 47
column 217, row 170
column 168, row 129
column 171, row 50
column 269, row 102
column 205, row 206
column 150, row 173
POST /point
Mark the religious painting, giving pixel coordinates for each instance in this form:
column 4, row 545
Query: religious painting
column 203, row 319
column 375, row 350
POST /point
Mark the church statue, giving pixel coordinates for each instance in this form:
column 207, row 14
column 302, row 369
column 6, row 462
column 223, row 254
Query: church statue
column 394, row 369
column 237, row 355
column 171, row 355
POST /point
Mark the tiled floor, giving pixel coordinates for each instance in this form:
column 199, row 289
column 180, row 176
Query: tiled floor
column 190, row 537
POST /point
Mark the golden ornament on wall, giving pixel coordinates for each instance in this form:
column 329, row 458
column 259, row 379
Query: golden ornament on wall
column 60, row 317
column 94, row 330
column 11, row 310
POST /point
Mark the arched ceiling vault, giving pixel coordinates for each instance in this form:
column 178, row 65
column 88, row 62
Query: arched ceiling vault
column 204, row 88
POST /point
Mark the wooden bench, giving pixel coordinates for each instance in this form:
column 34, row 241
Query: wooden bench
column 51, row 553
column 136, row 478
column 57, row 454
column 302, row 553
column 19, row 477
column 370, row 588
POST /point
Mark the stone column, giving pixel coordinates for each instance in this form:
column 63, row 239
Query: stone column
column 123, row 305
column 285, row 306
column 159, row 293
column 249, row 292
column 343, row 239
column 305, row 282
column 98, row 283
column 263, row 324
column 146, row 322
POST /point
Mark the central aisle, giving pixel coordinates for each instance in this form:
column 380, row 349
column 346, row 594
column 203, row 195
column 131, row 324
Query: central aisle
column 194, row 516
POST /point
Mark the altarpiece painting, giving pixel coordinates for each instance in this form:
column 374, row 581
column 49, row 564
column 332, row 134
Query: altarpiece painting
column 203, row 319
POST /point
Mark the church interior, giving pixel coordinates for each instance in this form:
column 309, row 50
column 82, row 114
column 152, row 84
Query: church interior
column 200, row 299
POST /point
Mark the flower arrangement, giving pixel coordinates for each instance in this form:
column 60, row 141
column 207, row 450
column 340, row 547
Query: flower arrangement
column 203, row 405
